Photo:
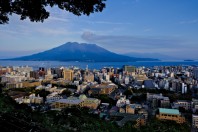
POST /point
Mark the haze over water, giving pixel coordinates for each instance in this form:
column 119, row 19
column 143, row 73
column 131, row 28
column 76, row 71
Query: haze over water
column 95, row 65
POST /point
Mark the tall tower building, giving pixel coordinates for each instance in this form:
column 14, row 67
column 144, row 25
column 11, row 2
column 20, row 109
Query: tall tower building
column 68, row 74
column 195, row 73
column 87, row 68
column 49, row 72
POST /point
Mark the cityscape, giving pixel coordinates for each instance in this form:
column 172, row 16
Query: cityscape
column 134, row 96
column 98, row 66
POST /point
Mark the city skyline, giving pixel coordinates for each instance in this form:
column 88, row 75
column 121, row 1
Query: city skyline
column 144, row 26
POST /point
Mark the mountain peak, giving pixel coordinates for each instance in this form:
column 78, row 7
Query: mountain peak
column 76, row 43
column 73, row 51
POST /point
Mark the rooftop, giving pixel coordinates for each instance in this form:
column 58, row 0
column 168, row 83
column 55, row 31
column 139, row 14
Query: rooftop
column 68, row 101
column 184, row 101
column 104, row 85
column 169, row 111
column 194, row 115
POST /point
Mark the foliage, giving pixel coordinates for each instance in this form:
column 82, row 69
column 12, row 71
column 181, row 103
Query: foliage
column 1, row 87
column 77, row 119
column 175, row 97
column 138, row 98
column 27, row 90
column 14, row 117
column 66, row 92
column 157, row 91
column 156, row 125
column 35, row 10
column 128, row 92
column 129, row 127
column 66, row 85
column 42, row 93
column 172, row 95
column 105, row 99
column 5, row 102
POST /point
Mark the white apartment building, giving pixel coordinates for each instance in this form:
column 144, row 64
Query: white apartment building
column 195, row 121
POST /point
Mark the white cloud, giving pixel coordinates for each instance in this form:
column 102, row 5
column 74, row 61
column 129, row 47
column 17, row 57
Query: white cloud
column 104, row 22
column 52, row 18
column 159, row 44
column 148, row 29
column 51, row 31
column 195, row 21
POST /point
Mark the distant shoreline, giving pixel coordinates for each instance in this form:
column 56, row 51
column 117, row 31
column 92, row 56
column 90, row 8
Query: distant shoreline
column 189, row 60
column 95, row 65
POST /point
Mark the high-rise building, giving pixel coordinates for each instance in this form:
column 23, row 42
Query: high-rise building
column 126, row 80
column 49, row 74
column 107, row 77
column 68, row 74
column 129, row 68
column 23, row 69
column 88, row 77
column 58, row 72
column 195, row 73
column 184, row 88
column 34, row 74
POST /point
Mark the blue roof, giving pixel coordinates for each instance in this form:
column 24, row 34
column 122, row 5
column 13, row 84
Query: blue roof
column 149, row 84
column 169, row 111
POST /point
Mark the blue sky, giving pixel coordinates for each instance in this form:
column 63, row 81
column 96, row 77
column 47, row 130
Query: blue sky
column 167, row 27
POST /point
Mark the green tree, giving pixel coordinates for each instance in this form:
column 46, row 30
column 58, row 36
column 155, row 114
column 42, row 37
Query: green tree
column 42, row 93
column 35, row 10
column 1, row 87
column 106, row 99
column 66, row 92
column 164, row 126
column 128, row 92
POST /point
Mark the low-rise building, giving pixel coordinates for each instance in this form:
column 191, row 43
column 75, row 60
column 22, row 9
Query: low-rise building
column 14, row 85
column 139, row 78
column 63, row 103
column 91, row 103
column 158, row 100
column 195, row 103
column 53, row 97
column 88, row 77
column 4, row 70
column 55, row 89
column 81, row 101
column 170, row 114
column 35, row 99
column 143, row 112
column 138, row 119
column 31, row 83
column 32, row 98
column 81, row 88
column 182, row 103
column 195, row 121
column 104, row 88
column 132, row 107
column 122, row 101
column 12, row 78
column 165, row 102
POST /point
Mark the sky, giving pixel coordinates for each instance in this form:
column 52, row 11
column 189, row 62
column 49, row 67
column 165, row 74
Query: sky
column 168, row 27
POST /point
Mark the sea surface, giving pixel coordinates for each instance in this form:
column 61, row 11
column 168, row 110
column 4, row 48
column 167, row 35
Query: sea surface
column 96, row 65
